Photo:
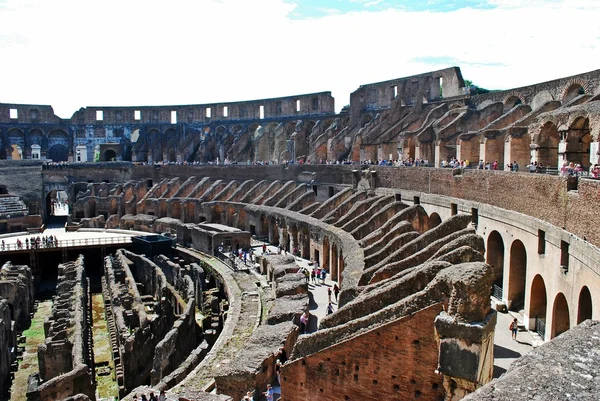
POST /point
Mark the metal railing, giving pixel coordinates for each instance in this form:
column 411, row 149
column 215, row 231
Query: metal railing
column 65, row 243
column 497, row 292
column 540, row 327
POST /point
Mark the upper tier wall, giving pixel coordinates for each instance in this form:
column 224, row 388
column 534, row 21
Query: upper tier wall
column 310, row 104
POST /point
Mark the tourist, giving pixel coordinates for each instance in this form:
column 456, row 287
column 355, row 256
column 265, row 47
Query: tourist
column 278, row 370
column 515, row 166
column 152, row 396
column 514, row 326
column 264, row 248
column 329, row 294
column 303, row 322
column 323, row 275
column 313, row 275
column 162, row 396
column 269, row 393
column 144, row 397
column 248, row 396
column 336, row 291
column 329, row 309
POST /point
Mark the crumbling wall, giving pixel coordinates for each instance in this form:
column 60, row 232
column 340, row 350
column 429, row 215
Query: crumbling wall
column 7, row 341
column 65, row 358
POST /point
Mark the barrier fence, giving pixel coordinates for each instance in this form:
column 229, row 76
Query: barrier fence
column 65, row 243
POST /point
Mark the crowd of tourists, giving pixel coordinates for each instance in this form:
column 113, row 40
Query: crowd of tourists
column 47, row 241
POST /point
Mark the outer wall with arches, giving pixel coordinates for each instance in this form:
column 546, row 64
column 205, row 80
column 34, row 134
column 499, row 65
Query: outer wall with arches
column 550, row 275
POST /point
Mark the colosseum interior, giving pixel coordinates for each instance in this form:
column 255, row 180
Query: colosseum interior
column 163, row 248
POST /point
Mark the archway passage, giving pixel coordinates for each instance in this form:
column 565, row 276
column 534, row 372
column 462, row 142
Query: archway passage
column 538, row 303
column 547, row 152
column 58, row 153
column 560, row 316
column 110, row 155
column 495, row 258
column 57, row 208
column 584, row 310
column 516, row 276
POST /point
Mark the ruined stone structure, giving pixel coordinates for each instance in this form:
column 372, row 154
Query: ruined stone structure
column 66, row 358
column 16, row 305
column 416, row 250
column 430, row 116
column 156, row 338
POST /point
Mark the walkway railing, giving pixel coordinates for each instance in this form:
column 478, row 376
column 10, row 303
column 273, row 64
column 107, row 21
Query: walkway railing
column 497, row 292
column 66, row 243
column 540, row 327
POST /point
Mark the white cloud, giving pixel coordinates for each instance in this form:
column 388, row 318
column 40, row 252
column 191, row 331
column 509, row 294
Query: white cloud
column 74, row 53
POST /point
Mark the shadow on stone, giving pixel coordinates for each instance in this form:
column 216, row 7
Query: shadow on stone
column 501, row 352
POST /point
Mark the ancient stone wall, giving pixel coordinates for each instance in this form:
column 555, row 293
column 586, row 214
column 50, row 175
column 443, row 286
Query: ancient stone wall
column 155, row 319
column 17, row 287
column 66, row 359
column 7, row 341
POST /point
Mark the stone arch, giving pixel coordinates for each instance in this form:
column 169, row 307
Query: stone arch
column 109, row 155
column 584, row 306
column 538, row 304
column 511, row 100
column 35, row 137
column 16, row 143
column 495, row 258
column 540, row 99
column 579, row 139
column 560, row 316
column 547, row 144
column 434, row 220
column 517, row 273
column 58, row 153
column 574, row 88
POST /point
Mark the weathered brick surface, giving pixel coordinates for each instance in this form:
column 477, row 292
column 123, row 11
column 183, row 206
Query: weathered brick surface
column 396, row 361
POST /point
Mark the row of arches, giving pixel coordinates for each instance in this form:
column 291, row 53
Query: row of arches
column 513, row 289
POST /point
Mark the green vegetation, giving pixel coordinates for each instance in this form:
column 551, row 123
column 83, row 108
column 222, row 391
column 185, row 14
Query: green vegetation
column 476, row 90
column 105, row 367
column 34, row 336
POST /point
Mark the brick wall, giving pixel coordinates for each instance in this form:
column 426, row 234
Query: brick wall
column 395, row 361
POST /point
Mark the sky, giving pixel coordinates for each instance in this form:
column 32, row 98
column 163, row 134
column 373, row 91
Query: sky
column 78, row 53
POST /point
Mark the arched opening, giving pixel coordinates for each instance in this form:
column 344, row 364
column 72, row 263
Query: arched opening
column 434, row 220
column 57, row 207
column 537, row 305
column 110, row 155
column 560, row 316
column 584, row 311
column 547, row 151
column 572, row 92
column 58, row 153
column 495, row 258
column 516, row 276
column 578, row 142
column 16, row 153
column 511, row 102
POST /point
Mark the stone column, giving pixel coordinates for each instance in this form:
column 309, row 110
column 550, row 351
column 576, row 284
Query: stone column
column 466, row 354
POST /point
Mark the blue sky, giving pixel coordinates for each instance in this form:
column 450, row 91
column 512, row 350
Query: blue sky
column 77, row 53
column 320, row 8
